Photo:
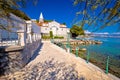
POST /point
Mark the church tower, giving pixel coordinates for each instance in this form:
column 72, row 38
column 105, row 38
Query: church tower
column 41, row 19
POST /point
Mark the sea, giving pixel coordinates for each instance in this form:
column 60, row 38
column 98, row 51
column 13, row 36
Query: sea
column 110, row 45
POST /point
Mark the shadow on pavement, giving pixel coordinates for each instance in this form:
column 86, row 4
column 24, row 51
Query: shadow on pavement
column 36, row 53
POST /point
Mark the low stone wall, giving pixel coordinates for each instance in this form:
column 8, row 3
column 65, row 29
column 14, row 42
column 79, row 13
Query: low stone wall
column 29, row 51
column 13, row 58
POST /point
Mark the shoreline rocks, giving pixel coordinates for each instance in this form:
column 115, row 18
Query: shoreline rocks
column 84, row 42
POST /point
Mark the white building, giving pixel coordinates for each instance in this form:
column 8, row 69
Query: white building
column 57, row 28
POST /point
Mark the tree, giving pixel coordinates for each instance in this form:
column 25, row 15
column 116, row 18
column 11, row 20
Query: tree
column 51, row 34
column 6, row 6
column 19, row 14
column 93, row 12
column 76, row 30
column 48, row 20
column 64, row 23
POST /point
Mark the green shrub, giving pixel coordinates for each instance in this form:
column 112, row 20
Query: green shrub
column 58, row 37
column 51, row 34
column 76, row 31
column 45, row 37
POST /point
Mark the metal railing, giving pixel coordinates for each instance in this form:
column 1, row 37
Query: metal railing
column 106, row 62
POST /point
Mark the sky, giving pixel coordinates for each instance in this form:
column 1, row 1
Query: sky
column 62, row 11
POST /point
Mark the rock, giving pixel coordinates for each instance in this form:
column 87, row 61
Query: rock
column 83, row 49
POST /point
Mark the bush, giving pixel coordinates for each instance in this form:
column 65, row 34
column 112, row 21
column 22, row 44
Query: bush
column 45, row 37
column 76, row 31
column 51, row 34
column 58, row 37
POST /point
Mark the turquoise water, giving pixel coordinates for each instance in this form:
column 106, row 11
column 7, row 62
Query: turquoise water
column 99, row 53
column 109, row 47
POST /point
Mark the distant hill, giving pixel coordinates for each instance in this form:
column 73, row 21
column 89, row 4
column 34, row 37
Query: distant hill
column 19, row 14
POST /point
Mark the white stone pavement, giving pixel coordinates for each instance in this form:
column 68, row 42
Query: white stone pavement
column 88, row 70
column 50, row 51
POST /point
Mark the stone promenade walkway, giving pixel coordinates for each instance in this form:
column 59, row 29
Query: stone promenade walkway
column 53, row 63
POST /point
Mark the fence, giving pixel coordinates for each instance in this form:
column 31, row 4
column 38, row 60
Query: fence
column 22, row 32
column 107, row 63
column 8, row 38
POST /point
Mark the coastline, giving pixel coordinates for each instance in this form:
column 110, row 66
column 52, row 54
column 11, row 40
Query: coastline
column 55, row 63
column 97, row 58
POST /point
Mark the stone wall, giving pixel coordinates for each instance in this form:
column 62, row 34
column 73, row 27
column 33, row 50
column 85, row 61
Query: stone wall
column 13, row 58
column 29, row 51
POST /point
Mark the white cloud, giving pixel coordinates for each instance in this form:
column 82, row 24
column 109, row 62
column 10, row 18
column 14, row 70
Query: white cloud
column 116, row 33
column 87, row 32
column 102, row 33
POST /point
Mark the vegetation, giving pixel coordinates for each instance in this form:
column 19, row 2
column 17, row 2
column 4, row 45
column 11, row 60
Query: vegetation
column 58, row 37
column 37, row 21
column 76, row 30
column 48, row 20
column 64, row 23
column 45, row 37
column 93, row 12
column 51, row 34
column 11, row 6
column 19, row 14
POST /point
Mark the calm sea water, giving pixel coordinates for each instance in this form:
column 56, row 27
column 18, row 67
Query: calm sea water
column 109, row 47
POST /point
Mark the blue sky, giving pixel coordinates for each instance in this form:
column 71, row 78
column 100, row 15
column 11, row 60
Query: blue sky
column 59, row 10
column 62, row 11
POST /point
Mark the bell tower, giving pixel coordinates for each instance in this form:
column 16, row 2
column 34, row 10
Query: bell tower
column 41, row 19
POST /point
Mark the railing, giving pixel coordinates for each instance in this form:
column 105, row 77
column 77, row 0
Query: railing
column 22, row 32
column 8, row 38
column 107, row 63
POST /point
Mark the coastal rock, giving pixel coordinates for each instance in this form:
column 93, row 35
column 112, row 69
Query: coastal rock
column 78, row 42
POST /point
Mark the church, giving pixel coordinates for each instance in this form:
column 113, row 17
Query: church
column 57, row 28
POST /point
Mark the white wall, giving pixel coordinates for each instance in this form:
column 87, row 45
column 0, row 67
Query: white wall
column 56, row 28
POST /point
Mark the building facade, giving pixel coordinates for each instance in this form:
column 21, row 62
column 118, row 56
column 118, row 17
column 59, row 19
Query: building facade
column 57, row 28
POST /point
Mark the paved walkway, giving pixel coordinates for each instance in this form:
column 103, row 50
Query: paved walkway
column 54, row 63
